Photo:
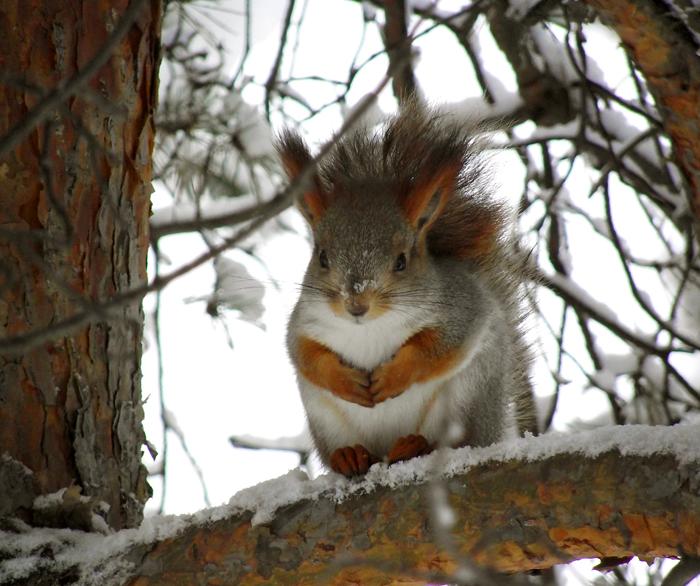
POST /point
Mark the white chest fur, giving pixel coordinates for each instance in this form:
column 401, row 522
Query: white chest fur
column 363, row 345
column 425, row 408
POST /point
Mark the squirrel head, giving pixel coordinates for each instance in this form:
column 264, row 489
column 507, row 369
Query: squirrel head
column 381, row 206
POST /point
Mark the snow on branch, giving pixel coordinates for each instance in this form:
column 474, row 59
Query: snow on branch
column 519, row 505
column 672, row 70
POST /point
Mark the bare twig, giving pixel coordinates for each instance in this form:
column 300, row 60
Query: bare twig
column 101, row 309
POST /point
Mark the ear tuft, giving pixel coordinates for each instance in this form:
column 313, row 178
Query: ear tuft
column 430, row 192
column 296, row 157
column 293, row 151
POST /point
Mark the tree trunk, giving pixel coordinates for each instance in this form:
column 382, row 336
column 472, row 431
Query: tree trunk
column 74, row 208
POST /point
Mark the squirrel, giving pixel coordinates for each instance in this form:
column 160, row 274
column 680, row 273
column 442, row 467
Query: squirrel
column 407, row 333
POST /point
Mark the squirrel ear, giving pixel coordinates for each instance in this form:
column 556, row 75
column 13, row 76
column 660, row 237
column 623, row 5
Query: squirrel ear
column 429, row 194
column 296, row 158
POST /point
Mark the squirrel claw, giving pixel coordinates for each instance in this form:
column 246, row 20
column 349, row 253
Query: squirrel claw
column 353, row 386
column 408, row 447
column 385, row 386
column 360, row 377
column 352, row 460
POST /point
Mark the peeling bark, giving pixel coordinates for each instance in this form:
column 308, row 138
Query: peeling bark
column 74, row 207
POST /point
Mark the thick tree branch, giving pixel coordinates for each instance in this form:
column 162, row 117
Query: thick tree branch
column 563, row 508
column 667, row 56
column 546, row 99
column 518, row 506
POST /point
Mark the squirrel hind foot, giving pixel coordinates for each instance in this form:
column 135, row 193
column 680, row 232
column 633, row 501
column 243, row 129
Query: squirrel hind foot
column 352, row 460
column 407, row 447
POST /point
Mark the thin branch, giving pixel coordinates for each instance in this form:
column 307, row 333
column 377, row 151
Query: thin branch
column 398, row 48
column 246, row 44
column 163, row 452
column 100, row 310
column 613, row 325
column 274, row 72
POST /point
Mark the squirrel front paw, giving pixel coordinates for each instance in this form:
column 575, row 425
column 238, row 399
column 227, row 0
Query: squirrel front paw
column 352, row 384
column 352, row 460
column 390, row 380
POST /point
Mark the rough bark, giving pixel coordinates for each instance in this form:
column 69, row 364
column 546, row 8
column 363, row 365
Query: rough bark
column 512, row 516
column 74, row 207
column 666, row 53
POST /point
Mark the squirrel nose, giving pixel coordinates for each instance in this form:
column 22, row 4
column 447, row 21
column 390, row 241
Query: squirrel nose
column 357, row 309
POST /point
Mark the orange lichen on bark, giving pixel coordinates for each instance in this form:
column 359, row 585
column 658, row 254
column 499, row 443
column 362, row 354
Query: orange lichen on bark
column 555, row 492
column 511, row 553
column 605, row 513
column 582, row 541
column 386, row 537
column 689, row 530
column 640, row 531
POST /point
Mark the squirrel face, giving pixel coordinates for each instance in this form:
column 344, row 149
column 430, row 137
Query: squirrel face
column 366, row 255
column 384, row 205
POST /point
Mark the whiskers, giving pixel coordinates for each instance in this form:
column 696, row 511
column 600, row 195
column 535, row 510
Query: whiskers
column 407, row 300
column 244, row 283
column 319, row 287
column 318, row 290
column 412, row 300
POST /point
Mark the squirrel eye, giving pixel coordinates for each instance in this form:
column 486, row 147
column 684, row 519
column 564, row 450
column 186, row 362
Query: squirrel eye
column 400, row 262
column 323, row 259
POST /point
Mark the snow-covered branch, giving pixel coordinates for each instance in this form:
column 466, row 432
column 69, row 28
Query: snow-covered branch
column 520, row 505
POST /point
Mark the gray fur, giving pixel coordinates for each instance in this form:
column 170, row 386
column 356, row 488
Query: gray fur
column 470, row 301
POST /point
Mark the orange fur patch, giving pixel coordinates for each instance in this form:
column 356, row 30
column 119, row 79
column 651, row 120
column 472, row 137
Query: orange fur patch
column 480, row 242
column 423, row 357
column 427, row 356
column 322, row 367
column 314, row 205
column 420, row 196
column 317, row 363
